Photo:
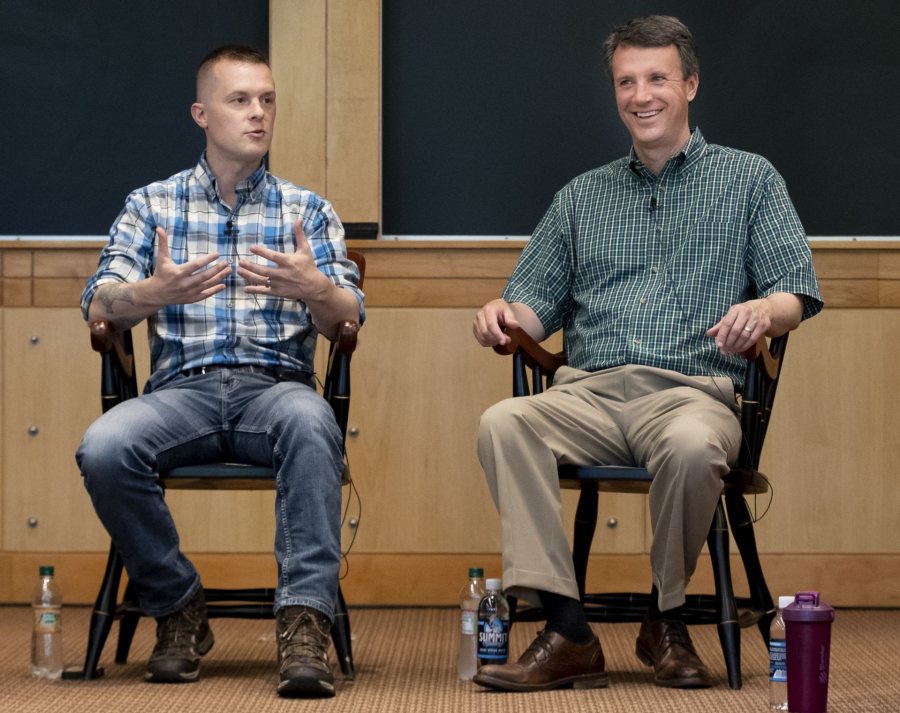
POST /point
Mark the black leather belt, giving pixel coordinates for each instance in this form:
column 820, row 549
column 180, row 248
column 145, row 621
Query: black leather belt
column 276, row 373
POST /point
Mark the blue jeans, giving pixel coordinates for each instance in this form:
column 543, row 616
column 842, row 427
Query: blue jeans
column 222, row 415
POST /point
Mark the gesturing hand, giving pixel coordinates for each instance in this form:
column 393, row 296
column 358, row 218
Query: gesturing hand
column 293, row 276
column 192, row 281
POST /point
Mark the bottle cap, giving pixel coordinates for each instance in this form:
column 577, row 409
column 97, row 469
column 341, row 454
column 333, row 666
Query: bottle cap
column 785, row 602
column 808, row 607
column 46, row 570
column 493, row 585
column 479, row 572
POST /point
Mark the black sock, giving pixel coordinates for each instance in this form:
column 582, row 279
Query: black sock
column 653, row 612
column 566, row 616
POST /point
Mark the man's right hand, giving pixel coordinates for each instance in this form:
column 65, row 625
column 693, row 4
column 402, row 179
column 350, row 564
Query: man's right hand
column 126, row 304
column 190, row 282
column 490, row 321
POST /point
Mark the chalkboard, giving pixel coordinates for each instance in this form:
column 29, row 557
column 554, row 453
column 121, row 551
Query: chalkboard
column 491, row 107
column 96, row 102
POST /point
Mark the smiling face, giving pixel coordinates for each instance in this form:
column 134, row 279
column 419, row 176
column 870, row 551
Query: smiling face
column 236, row 107
column 652, row 97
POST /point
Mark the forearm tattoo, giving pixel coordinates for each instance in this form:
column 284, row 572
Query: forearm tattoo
column 110, row 294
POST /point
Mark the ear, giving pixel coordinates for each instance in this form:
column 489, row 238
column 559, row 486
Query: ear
column 692, row 83
column 198, row 113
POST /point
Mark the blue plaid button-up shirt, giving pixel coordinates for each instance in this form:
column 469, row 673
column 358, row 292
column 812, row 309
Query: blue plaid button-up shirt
column 230, row 327
column 635, row 267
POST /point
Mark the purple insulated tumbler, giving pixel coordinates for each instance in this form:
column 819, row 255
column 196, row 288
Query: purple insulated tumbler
column 807, row 624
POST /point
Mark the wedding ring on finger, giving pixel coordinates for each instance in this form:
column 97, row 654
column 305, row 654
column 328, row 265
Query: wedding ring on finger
column 269, row 282
column 748, row 330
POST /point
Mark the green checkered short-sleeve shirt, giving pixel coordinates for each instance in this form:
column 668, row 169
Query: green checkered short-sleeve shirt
column 635, row 267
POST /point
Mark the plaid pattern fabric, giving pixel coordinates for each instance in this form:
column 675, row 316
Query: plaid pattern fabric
column 635, row 267
column 230, row 327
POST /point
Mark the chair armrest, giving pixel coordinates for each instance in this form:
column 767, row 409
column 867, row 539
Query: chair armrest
column 105, row 339
column 761, row 354
column 533, row 354
column 347, row 333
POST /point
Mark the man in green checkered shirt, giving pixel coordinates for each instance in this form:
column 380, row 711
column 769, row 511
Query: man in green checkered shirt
column 661, row 268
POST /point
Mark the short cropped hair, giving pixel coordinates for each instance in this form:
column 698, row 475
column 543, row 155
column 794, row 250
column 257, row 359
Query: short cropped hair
column 236, row 53
column 654, row 31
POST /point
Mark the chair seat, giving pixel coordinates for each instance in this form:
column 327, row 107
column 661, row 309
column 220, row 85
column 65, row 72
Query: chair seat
column 629, row 479
column 227, row 476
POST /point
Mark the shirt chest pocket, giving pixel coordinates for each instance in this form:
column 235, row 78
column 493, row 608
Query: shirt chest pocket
column 708, row 267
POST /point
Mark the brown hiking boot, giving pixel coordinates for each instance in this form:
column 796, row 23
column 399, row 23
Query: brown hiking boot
column 303, row 636
column 181, row 639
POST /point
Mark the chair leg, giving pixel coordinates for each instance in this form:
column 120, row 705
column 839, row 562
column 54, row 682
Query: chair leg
column 585, row 526
column 726, row 610
column 102, row 616
column 340, row 635
column 741, row 522
column 128, row 622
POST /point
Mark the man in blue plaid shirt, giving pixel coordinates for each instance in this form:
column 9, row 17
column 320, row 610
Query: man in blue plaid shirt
column 235, row 271
column 661, row 268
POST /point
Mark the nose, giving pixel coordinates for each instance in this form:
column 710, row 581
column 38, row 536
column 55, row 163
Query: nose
column 642, row 92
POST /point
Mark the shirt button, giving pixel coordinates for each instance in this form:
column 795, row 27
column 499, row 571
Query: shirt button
column 229, row 260
column 636, row 341
column 654, row 269
column 643, row 300
column 229, row 304
column 658, row 228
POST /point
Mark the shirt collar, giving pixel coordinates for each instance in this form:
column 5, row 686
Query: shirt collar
column 689, row 154
column 252, row 186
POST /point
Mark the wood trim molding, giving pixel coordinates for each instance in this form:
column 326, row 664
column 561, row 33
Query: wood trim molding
column 848, row 580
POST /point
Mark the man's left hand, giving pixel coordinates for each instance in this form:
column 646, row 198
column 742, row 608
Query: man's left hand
column 293, row 276
column 742, row 326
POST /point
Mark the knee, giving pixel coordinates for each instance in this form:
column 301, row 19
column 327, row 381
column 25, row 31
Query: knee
column 695, row 451
column 99, row 453
column 502, row 419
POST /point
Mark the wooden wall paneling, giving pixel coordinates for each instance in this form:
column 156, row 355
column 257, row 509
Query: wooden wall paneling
column 297, row 49
column 353, row 140
column 834, row 440
column 423, row 452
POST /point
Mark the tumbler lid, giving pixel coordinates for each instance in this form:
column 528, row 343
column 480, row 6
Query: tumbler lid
column 808, row 607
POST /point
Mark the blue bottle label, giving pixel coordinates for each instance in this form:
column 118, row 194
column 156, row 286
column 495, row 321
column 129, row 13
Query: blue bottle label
column 493, row 639
column 777, row 661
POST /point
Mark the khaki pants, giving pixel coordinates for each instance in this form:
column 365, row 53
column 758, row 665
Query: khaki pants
column 683, row 429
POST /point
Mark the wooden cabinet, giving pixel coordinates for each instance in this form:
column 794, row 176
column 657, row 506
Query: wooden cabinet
column 420, row 383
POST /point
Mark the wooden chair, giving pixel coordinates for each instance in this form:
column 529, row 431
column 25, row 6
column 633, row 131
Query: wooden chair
column 118, row 382
column 757, row 397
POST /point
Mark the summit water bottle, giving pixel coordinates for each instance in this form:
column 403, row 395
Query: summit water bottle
column 778, row 695
column 493, row 626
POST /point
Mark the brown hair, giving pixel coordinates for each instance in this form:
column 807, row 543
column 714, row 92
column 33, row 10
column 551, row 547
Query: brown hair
column 654, row 31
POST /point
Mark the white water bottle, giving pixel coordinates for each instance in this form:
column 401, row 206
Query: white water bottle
column 778, row 700
column 46, row 636
column 469, row 597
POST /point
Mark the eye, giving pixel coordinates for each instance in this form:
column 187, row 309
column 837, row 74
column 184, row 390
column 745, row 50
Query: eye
column 658, row 78
column 625, row 82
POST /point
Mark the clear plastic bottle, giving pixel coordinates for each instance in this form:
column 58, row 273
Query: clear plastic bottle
column 778, row 698
column 46, row 636
column 493, row 626
column 469, row 599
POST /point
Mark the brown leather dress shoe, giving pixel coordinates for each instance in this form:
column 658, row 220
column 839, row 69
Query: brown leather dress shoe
column 666, row 646
column 552, row 661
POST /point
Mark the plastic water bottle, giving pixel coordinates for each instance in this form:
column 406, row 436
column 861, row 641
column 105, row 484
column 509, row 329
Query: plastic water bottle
column 46, row 637
column 469, row 599
column 493, row 626
column 778, row 696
